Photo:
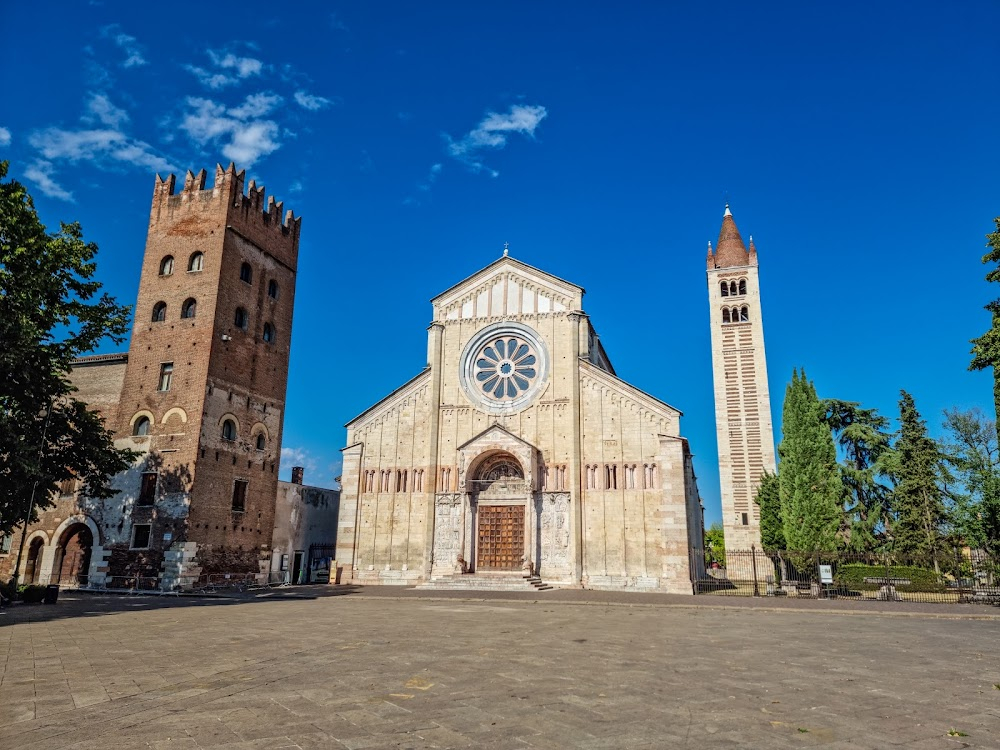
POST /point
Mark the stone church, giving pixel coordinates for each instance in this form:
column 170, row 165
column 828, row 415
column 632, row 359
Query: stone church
column 517, row 451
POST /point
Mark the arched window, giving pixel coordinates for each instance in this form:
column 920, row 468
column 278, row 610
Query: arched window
column 167, row 266
column 732, row 288
column 159, row 312
column 744, row 314
column 196, row 262
column 261, row 441
column 724, row 288
column 268, row 333
column 246, row 273
column 241, row 318
column 272, row 289
column 189, row 308
column 743, row 286
column 725, row 315
column 141, row 427
column 229, row 430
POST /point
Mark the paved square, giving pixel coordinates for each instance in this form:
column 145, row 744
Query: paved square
column 571, row 671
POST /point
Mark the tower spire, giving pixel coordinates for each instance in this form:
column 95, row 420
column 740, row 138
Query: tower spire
column 730, row 250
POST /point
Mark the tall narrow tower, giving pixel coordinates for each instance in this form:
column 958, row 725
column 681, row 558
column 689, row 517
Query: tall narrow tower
column 204, row 389
column 742, row 402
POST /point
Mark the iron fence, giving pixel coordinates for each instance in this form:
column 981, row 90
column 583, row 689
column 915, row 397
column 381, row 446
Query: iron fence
column 954, row 575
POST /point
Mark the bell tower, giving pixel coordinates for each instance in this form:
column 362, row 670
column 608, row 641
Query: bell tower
column 739, row 366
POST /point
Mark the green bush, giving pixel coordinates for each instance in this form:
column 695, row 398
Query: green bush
column 853, row 575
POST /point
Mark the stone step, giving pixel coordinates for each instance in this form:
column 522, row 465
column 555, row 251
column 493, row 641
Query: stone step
column 486, row 583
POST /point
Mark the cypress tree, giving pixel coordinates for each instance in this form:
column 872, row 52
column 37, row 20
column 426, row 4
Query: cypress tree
column 918, row 500
column 768, row 499
column 809, row 484
column 986, row 348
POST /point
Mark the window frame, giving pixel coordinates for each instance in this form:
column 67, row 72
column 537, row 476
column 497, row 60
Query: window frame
column 136, row 426
column 197, row 257
column 246, row 273
column 239, row 482
column 241, row 313
column 235, row 430
column 167, row 265
column 189, row 304
column 166, row 377
column 148, row 483
column 149, row 535
column 272, row 286
column 159, row 312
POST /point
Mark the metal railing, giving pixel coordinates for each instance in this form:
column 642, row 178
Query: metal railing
column 953, row 575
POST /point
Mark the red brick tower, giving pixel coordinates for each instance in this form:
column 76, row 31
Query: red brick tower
column 204, row 389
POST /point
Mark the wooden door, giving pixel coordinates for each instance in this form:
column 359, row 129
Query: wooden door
column 501, row 537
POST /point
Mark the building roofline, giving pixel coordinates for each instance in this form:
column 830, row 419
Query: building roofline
column 99, row 359
column 498, row 261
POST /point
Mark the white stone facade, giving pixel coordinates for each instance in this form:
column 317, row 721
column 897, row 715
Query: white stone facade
column 518, row 449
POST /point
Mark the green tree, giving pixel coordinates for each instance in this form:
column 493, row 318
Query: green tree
column 986, row 348
column 768, row 499
column 715, row 545
column 50, row 313
column 973, row 451
column 864, row 439
column 809, row 484
column 918, row 498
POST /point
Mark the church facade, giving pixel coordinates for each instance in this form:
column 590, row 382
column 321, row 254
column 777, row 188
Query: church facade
column 517, row 451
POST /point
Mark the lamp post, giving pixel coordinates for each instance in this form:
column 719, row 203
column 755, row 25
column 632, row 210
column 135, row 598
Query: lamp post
column 31, row 502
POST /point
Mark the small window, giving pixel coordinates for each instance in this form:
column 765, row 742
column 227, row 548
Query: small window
column 724, row 288
column 246, row 273
column 140, row 535
column 147, row 489
column 141, row 427
column 166, row 375
column 746, row 520
column 272, row 289
column 240, row 496
column 229, row 430
column 725, row 315
column 197, row 262
column 159, row 312
column 732, row 288
column 241, row 318
column 5, row 543
column 261, row 441
column 189, row 308
column 167, row 266
column 268, row 333
column 743, row 286
column 744, row 314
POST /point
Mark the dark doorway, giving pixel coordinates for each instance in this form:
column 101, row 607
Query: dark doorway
column 74, row 559
column 32, row 567
column 297, row 567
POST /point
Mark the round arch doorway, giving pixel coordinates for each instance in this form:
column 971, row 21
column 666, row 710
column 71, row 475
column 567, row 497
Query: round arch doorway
column 73, row 555
column 500, row 499
column 33, row 563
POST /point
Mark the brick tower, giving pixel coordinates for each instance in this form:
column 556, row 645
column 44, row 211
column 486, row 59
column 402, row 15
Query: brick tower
column 742, row 402
column 204, row 388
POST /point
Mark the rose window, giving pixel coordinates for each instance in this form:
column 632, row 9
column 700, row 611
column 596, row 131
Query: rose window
column 506, row 367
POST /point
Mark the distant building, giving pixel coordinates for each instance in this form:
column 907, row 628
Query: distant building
column 200, row 395
column 739, row 366
column 305, row 532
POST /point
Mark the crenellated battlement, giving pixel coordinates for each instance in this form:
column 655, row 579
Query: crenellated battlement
column 248, row 209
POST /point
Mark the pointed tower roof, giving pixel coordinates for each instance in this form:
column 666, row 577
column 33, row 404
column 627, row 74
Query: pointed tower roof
column 730, row 250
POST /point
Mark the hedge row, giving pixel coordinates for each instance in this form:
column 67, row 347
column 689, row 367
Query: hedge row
column 853, row 575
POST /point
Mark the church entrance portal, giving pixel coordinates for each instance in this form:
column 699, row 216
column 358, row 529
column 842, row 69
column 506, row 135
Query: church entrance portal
column 74, row 558
column 500, row 496
column 501, row 537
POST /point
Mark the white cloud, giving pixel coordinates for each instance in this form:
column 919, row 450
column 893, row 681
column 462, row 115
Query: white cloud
column 311, row 101
column 229, row 69
column 128, row 44
column 297, row 457
column 4, row 137
column 492, row 133
column 101, row 144
column 40, row 173
column 101, row 109
column 243, row 136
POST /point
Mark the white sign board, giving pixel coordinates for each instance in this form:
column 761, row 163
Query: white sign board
column 826, row 574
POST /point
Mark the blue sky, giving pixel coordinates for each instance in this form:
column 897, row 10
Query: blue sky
column 857, row 143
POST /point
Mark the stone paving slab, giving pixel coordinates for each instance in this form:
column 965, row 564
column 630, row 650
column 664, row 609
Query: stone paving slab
column 403, row 669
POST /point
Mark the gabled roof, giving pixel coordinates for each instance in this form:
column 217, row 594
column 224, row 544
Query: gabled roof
column 515, row 265
column 495, row 428
column 423, row 373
